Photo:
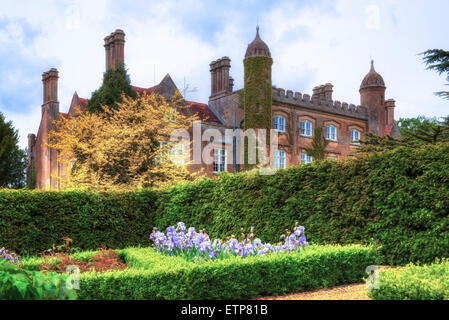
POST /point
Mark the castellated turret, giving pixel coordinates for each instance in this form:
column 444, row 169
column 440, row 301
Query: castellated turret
column 257, row 85
column 372, row 94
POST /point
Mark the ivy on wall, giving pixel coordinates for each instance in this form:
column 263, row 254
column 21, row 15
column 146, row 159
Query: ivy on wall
column 257, row 93
column 257, row 97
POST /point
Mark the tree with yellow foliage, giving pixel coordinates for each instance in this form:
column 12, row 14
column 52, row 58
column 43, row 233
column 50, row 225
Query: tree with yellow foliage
column 125, row 147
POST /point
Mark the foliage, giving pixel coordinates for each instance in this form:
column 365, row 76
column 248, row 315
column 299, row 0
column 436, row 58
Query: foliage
column 407, row 125
column 319, row 144
column 20, row 284
column 438, row 60
column 33, row 177
column 195, row 246
column 415, row 133
column 116, row 83
column 397, row 200
column 13, row 160
column 120, row 149
column 151, row 275
column 257, row 99
column 429, row 282
column 375, row 143
column 105, row 260
column 33, row 221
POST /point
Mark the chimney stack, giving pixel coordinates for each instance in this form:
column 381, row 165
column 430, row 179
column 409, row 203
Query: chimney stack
column 390, row 105
column 50, row 82
column 220, row 80
column 323, row 92
column 115, row 49
column 328, row 90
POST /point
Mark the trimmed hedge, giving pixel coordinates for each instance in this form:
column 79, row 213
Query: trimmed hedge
column 398, row 200
column 154, row 276
column 429, row 282
column 32, row 221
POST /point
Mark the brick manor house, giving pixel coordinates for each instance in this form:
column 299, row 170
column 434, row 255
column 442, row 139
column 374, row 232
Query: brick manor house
column 294, row 115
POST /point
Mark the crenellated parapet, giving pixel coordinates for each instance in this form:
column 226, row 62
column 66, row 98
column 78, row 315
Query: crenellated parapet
column 319, row 103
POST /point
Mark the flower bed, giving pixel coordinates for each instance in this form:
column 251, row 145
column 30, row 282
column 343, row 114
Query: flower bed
column 430, row 282
column 194, row 246
column 152, row 275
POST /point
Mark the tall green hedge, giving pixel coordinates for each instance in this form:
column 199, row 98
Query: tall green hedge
column 398, row 200
column 32, row 221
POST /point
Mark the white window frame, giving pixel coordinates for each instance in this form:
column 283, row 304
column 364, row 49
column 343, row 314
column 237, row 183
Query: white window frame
column 305, row 158
column 305, row 131
column 352, row 137
column 280, row 159
column 220, row 160
column 331, row 132
column 279, row 125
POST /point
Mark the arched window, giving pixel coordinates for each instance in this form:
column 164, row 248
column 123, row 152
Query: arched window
column 355, row 136
column 306, row 128
column 331, row 132
column 279, row 123
column 280, row 160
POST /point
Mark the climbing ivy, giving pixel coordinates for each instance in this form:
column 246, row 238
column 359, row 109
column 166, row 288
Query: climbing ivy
column 257, row 97
column 257, row 93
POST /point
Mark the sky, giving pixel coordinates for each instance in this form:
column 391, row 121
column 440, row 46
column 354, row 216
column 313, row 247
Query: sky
column 311, row 42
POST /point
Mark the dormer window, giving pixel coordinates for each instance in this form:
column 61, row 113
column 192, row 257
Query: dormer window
column 279, row 123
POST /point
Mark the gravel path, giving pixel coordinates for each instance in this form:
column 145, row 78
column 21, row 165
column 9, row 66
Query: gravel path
column 350, row 292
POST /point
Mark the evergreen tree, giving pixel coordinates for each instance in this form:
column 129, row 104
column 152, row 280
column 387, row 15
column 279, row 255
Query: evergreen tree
column 415, row 133
column 12, row 159
column 438, row 60
column 407, row 125
column 319, row 144
column 115, row 83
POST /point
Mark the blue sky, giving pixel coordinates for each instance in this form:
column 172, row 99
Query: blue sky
column 312, row 43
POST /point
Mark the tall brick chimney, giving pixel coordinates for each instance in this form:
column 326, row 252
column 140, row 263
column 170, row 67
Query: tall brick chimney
column 46, row 157
column 390, row 105
column 115, row 49
column 220, row 80
column 50, row 84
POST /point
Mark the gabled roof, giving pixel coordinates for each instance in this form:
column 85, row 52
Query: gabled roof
column 166, row 88
column 203, row 111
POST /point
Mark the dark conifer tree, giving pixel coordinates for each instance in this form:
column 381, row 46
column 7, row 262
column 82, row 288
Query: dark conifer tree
column 115, row 83
column 12, row 158
column 438, row 60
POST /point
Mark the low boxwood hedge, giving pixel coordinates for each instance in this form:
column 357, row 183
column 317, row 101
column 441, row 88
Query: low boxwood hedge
column 429, row 282
column 151, row 275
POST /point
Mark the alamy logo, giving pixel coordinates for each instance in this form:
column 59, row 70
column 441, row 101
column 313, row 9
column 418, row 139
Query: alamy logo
column 73, row 281
column 373, row 280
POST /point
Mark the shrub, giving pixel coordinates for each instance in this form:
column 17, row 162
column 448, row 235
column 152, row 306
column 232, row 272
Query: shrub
column 33, row 221
column 154, row 276
column 398, row 200
column 103, row 261
column 430, row 282
column 21, row 284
